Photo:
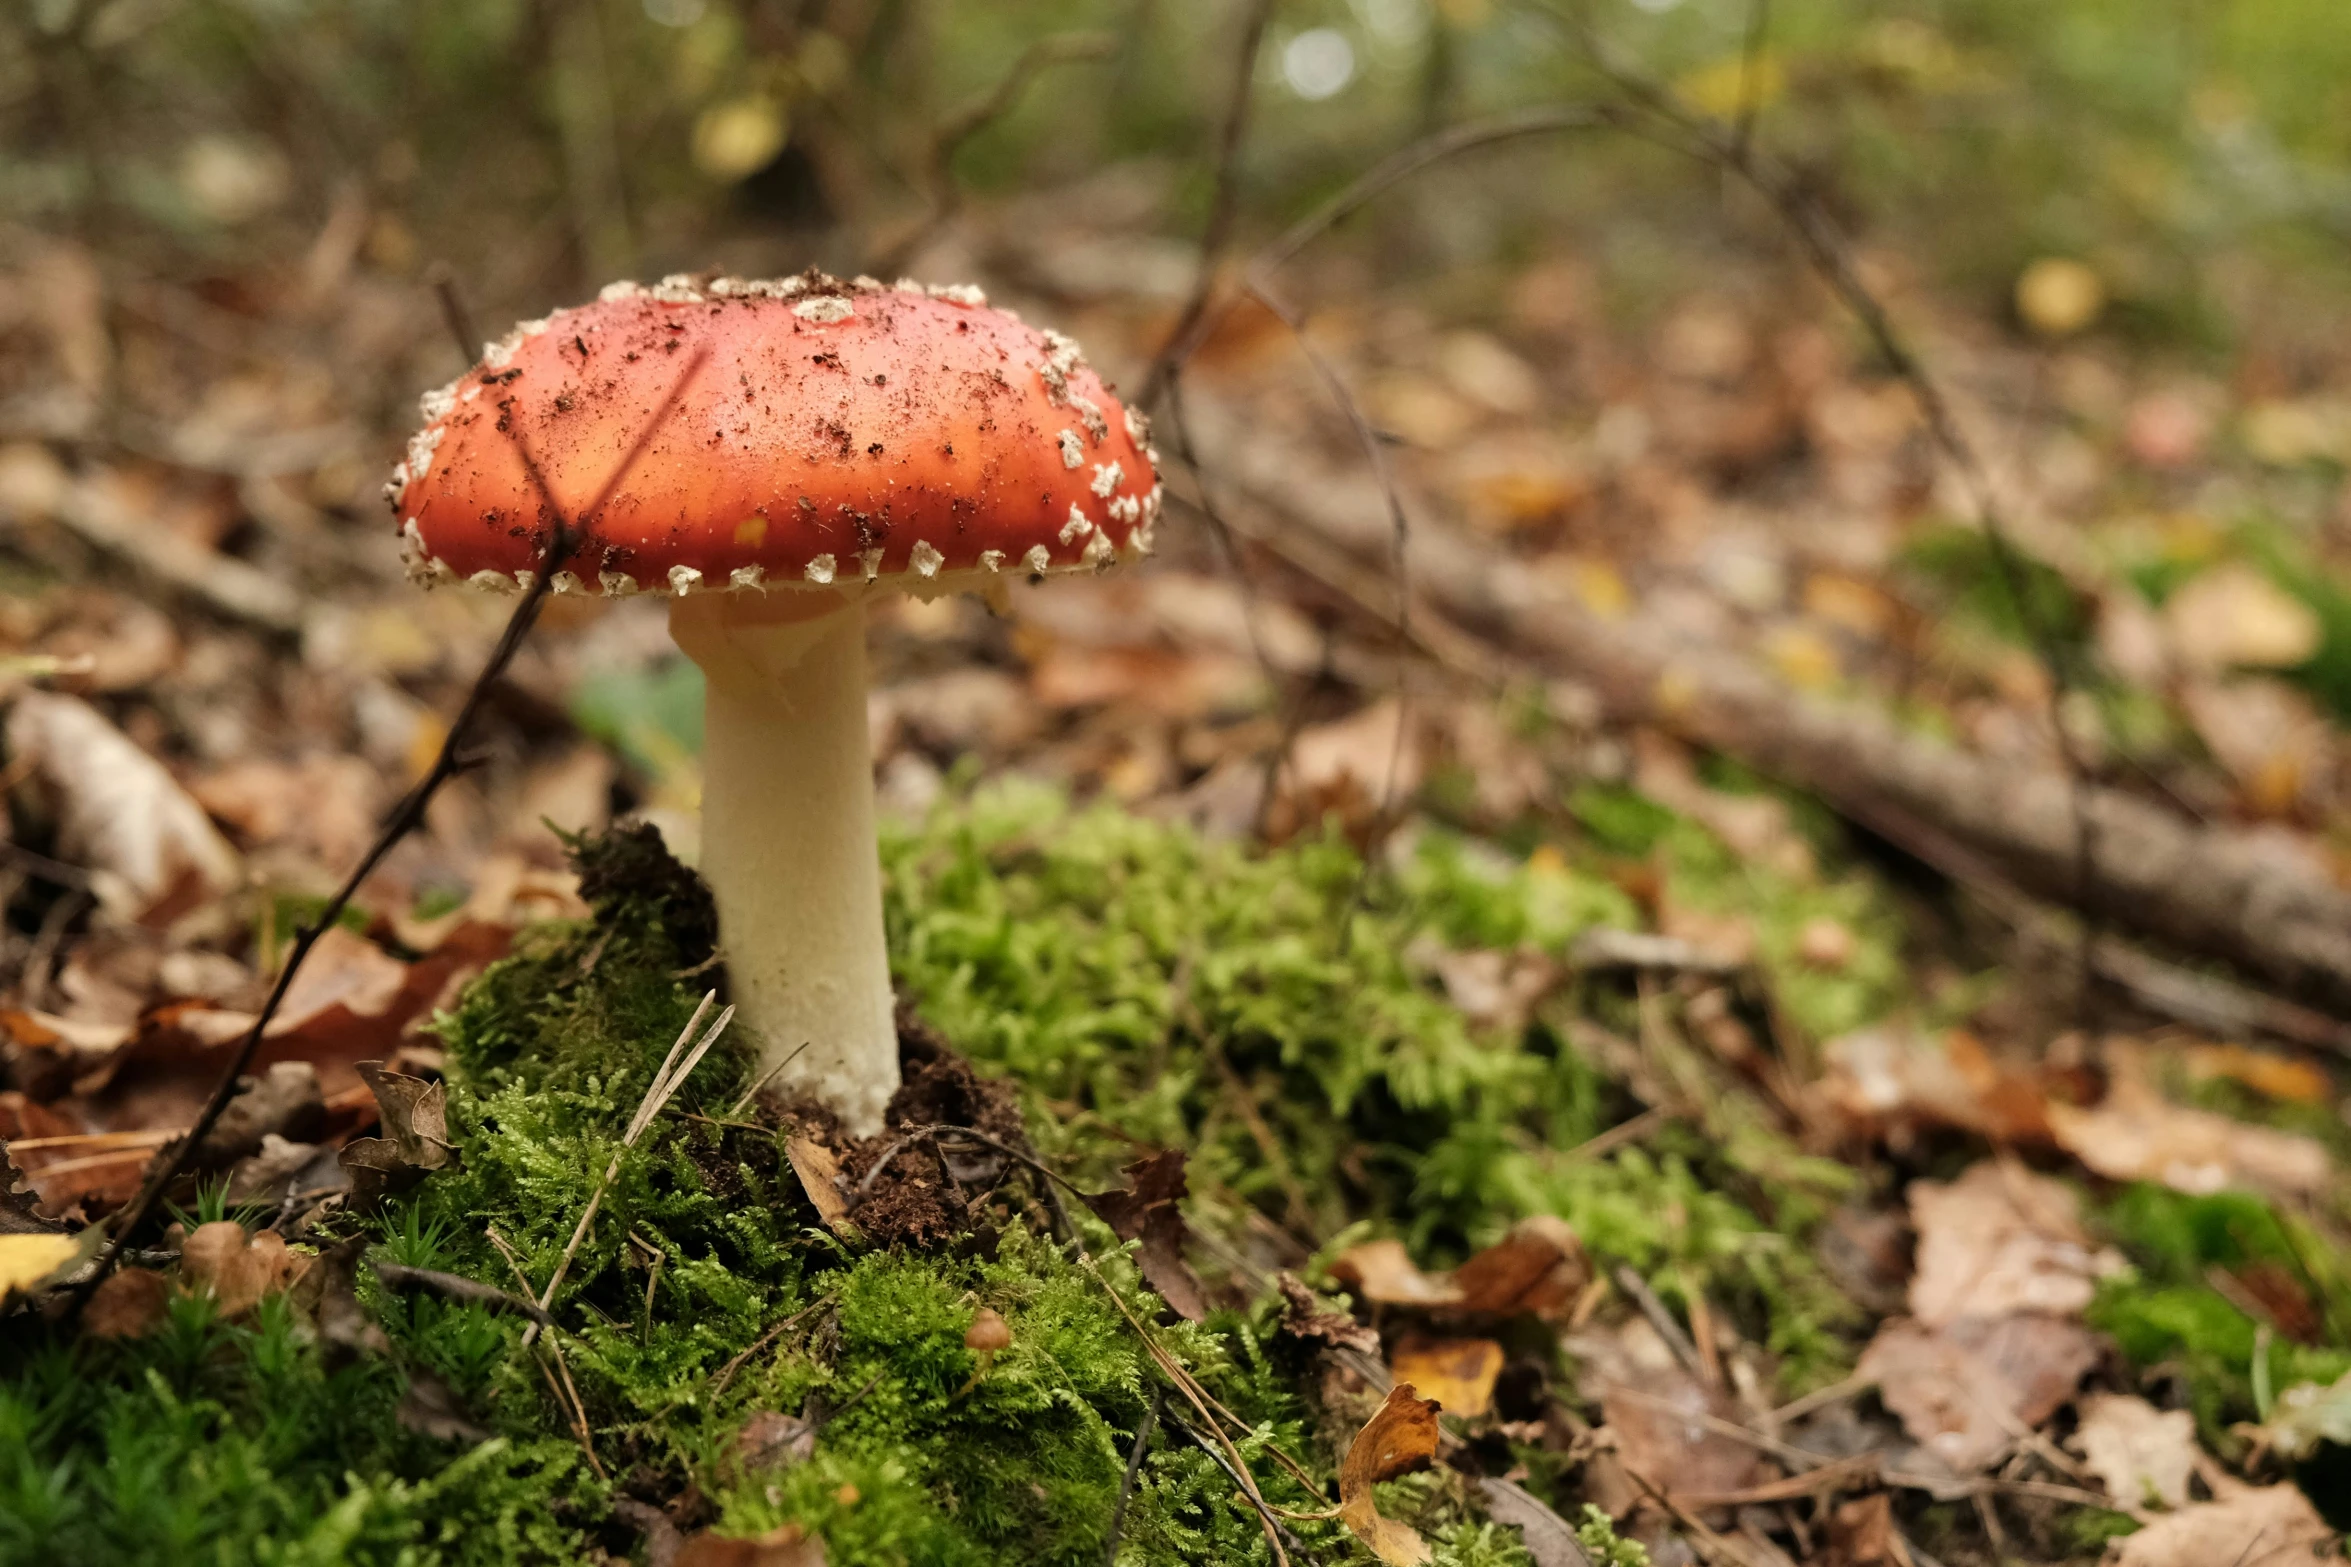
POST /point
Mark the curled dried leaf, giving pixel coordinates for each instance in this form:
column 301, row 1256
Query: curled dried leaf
column 236, row 1270
column 415, row 1140
column 1400, row 1437
column 1146, row 1211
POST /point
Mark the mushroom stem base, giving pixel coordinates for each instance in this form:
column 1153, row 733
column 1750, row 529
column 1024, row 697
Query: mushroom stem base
column 788, row 846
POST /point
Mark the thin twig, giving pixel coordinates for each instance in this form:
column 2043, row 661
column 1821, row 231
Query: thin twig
column 946, row 196
column 454, row 1286
column 1276, row 1532
column 1831, row 256
column 763, row 1079
column 567, row 537
column 454, row 315
column 1662, row 1320
column 657, row 1094
column 572, row 1405
column 1185, row 337
column 1751, row 64
column 1126, row 1484
column 726, row 1373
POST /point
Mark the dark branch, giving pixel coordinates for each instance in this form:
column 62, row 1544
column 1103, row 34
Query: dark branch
column 1184, row 338
column 452, row 1286
column 405, row 818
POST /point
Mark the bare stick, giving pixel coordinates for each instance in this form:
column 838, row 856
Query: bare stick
column 946, row 196
column 1126, row 1485
column 454, row 315
column 1223, row 204
column 453, row 1286
column 406, row 817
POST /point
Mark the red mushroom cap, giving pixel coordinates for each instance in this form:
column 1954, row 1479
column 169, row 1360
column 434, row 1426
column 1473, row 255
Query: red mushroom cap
column 835, row 431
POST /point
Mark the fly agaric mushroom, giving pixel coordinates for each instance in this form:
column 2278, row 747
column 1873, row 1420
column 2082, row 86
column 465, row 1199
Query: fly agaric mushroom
column 837, row 439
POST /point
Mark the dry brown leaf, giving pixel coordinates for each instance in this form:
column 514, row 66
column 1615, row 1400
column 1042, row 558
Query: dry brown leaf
column 1538, row 1267
column 1458, row 1373
column 1146, row 1211
column 1305, row 1317
column 784, row 1547
column 820, row 1178
column 237, row 1270
column 1966, row 1391
column 2244, row 1526
column 128, row 1304
column 2138, row 1135
column 1400, row 1437
column 2000, row 1239
column 1662, row 1417
column 414, row 1117
column 1882, row 1079
column 118, row 811
column 2141, row 1454
column 1382, row 1273
column 1862, row 1534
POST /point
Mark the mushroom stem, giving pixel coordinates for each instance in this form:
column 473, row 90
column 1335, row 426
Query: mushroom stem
column 788, row 840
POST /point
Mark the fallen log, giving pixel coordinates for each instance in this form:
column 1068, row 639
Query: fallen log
column 2250, row 899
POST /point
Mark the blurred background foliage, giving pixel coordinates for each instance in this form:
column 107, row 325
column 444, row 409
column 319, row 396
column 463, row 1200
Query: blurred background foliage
column 539, row 147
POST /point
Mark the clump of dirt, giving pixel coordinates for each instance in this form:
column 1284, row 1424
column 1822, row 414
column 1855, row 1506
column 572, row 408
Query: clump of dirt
column 924, row 1188
column 632, row 865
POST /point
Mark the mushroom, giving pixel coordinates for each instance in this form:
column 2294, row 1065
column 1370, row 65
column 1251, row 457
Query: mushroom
column 837, row 440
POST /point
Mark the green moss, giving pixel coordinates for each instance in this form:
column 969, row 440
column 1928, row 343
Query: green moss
column 2166, row 1314
column 1144, row 985
column 1263, row 1012
column 237, row 1443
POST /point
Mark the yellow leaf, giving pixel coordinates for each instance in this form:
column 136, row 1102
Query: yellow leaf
column 1400, row 1438
column 29, row 1261
column 1458, row 1373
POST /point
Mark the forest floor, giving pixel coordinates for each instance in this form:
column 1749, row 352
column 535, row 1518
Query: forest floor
column 1348, row 997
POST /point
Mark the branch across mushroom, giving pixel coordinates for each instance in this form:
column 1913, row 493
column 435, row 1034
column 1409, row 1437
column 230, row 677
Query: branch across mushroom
column 839, row 439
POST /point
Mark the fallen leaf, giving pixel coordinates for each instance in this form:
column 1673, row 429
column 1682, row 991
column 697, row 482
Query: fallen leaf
column 1889, row 1079
column 331, row 1284
column 2243, row 1526
column 1967, row 1390
column 1306, row 1317
column 1458, row 1373
column 283, row 1102
column 784, row 1547
column 2000, row 1239
column 1538, row 1267
column 820, row 1178
column 2141, row 1454
column 238, row 1271
column 1146, row 1211
column 2234, row 616
column 1382, row 1273
column 118, row 811
column 2308, row 1416
column 128, row 1304
column 415, row 1123
column 1862, row 1533
column 1400, row 1438
column 2138, row 1135
column 27, row 1262
column 1662, row 1417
